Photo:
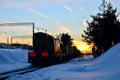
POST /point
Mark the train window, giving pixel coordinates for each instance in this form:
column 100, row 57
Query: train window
column 45, row 54
column 32, row 54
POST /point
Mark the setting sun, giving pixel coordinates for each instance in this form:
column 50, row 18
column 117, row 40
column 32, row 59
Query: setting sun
column 83, row 47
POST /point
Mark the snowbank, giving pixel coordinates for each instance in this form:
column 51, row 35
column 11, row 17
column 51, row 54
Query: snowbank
column 13, row 56
column 12, row 59
column 105, row 67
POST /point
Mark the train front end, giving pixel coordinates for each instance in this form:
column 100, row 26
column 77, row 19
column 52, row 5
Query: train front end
column 43, row 48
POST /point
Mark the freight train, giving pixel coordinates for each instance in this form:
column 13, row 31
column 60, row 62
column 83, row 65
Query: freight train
column 47, row 50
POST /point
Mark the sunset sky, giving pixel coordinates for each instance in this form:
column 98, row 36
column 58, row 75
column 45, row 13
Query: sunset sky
column 57, row 16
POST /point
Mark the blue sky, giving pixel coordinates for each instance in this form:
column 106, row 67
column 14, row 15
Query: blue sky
column 57, row 16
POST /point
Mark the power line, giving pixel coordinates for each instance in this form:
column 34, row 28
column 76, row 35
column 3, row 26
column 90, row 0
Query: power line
column 29, row 36
column 16, row 24
column 19, row 24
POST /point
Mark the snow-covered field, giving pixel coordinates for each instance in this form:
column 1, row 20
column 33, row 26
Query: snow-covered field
column 105, row 67
column 12, row 59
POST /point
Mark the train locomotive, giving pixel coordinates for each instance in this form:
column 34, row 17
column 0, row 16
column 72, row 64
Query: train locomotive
column 46, row 50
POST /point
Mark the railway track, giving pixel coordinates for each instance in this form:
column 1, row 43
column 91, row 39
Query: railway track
column 5, row 75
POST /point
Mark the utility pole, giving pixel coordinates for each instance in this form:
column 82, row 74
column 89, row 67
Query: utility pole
column 11, row 40
column 33, row 32
column 7, row 42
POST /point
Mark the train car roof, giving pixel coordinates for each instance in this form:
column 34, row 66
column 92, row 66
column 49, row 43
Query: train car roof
column 43, row 34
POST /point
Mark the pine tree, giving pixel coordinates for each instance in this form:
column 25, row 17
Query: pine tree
column 103, row 28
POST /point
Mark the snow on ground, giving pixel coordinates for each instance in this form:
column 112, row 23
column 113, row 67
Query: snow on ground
column 105, row 67
column 12, row 59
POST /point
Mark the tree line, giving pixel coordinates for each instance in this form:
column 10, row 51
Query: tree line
column 104, row 29
column 68, row 47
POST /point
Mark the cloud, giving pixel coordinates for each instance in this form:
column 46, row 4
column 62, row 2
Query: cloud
column 57, row 23
column 20, row 3
column 84, row 22
column 63, row 28
column 15, row 30
column 31, row 3
column 82, row 9
column 12, row 3
column 37, row 12
column 67, row 8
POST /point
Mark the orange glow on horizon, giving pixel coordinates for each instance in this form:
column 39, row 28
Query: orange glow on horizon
column 83, row 47
column 8, row 40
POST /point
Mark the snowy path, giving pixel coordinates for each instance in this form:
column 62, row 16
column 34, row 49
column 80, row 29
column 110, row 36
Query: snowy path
column 11, row 67
column 105, row 67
